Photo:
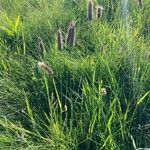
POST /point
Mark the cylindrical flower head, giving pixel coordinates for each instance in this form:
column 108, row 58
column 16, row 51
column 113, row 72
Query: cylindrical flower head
column 71, row 34
column 41, row 46
column 90, row 10
column 99, row 11
column 45, row 67
column 103, row 91
column 65, row 108
column 141, row 3
column 59, row 40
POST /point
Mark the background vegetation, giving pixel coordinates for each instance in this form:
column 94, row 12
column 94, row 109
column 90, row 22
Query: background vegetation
column 67, row 109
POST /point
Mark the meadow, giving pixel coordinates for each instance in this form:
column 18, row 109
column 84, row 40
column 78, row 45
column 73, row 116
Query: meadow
column 74, row 74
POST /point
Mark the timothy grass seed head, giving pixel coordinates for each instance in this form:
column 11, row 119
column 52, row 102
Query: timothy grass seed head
column 59, row 40
column 71, row 34
column 90, row 10
column 45, row 67
column 99, row 11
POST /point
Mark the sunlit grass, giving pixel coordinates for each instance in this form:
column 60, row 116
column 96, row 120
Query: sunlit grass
column 92, row 94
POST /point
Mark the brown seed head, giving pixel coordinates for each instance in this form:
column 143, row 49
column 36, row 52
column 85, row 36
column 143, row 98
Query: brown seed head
column 45, row 67
column 103, row 91
column 90, row 10
column 141, row 3
column 99, row 11
column 59, row 40
column 71, row 34
column 41, row 47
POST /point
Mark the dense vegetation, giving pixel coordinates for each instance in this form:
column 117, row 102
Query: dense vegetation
column 91, row 94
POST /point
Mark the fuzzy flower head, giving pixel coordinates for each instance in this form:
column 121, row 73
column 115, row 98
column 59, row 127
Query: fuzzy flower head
column 90, row 10
column 70, row 40
column 41, row 47
column 99, row 11
column 59, row 40
column 45, row 67
column 103, row 91
column 141, row 3
column 65, row 108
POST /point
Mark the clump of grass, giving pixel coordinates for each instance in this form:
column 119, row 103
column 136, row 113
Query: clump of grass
column 92, row 100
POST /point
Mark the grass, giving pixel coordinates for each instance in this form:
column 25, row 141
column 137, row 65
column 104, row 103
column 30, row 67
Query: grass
column 67, row 109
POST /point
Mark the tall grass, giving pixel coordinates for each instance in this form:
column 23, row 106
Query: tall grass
column 93, row 94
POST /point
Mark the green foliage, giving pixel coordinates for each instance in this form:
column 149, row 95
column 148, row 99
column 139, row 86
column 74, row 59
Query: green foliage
column 68, row 109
